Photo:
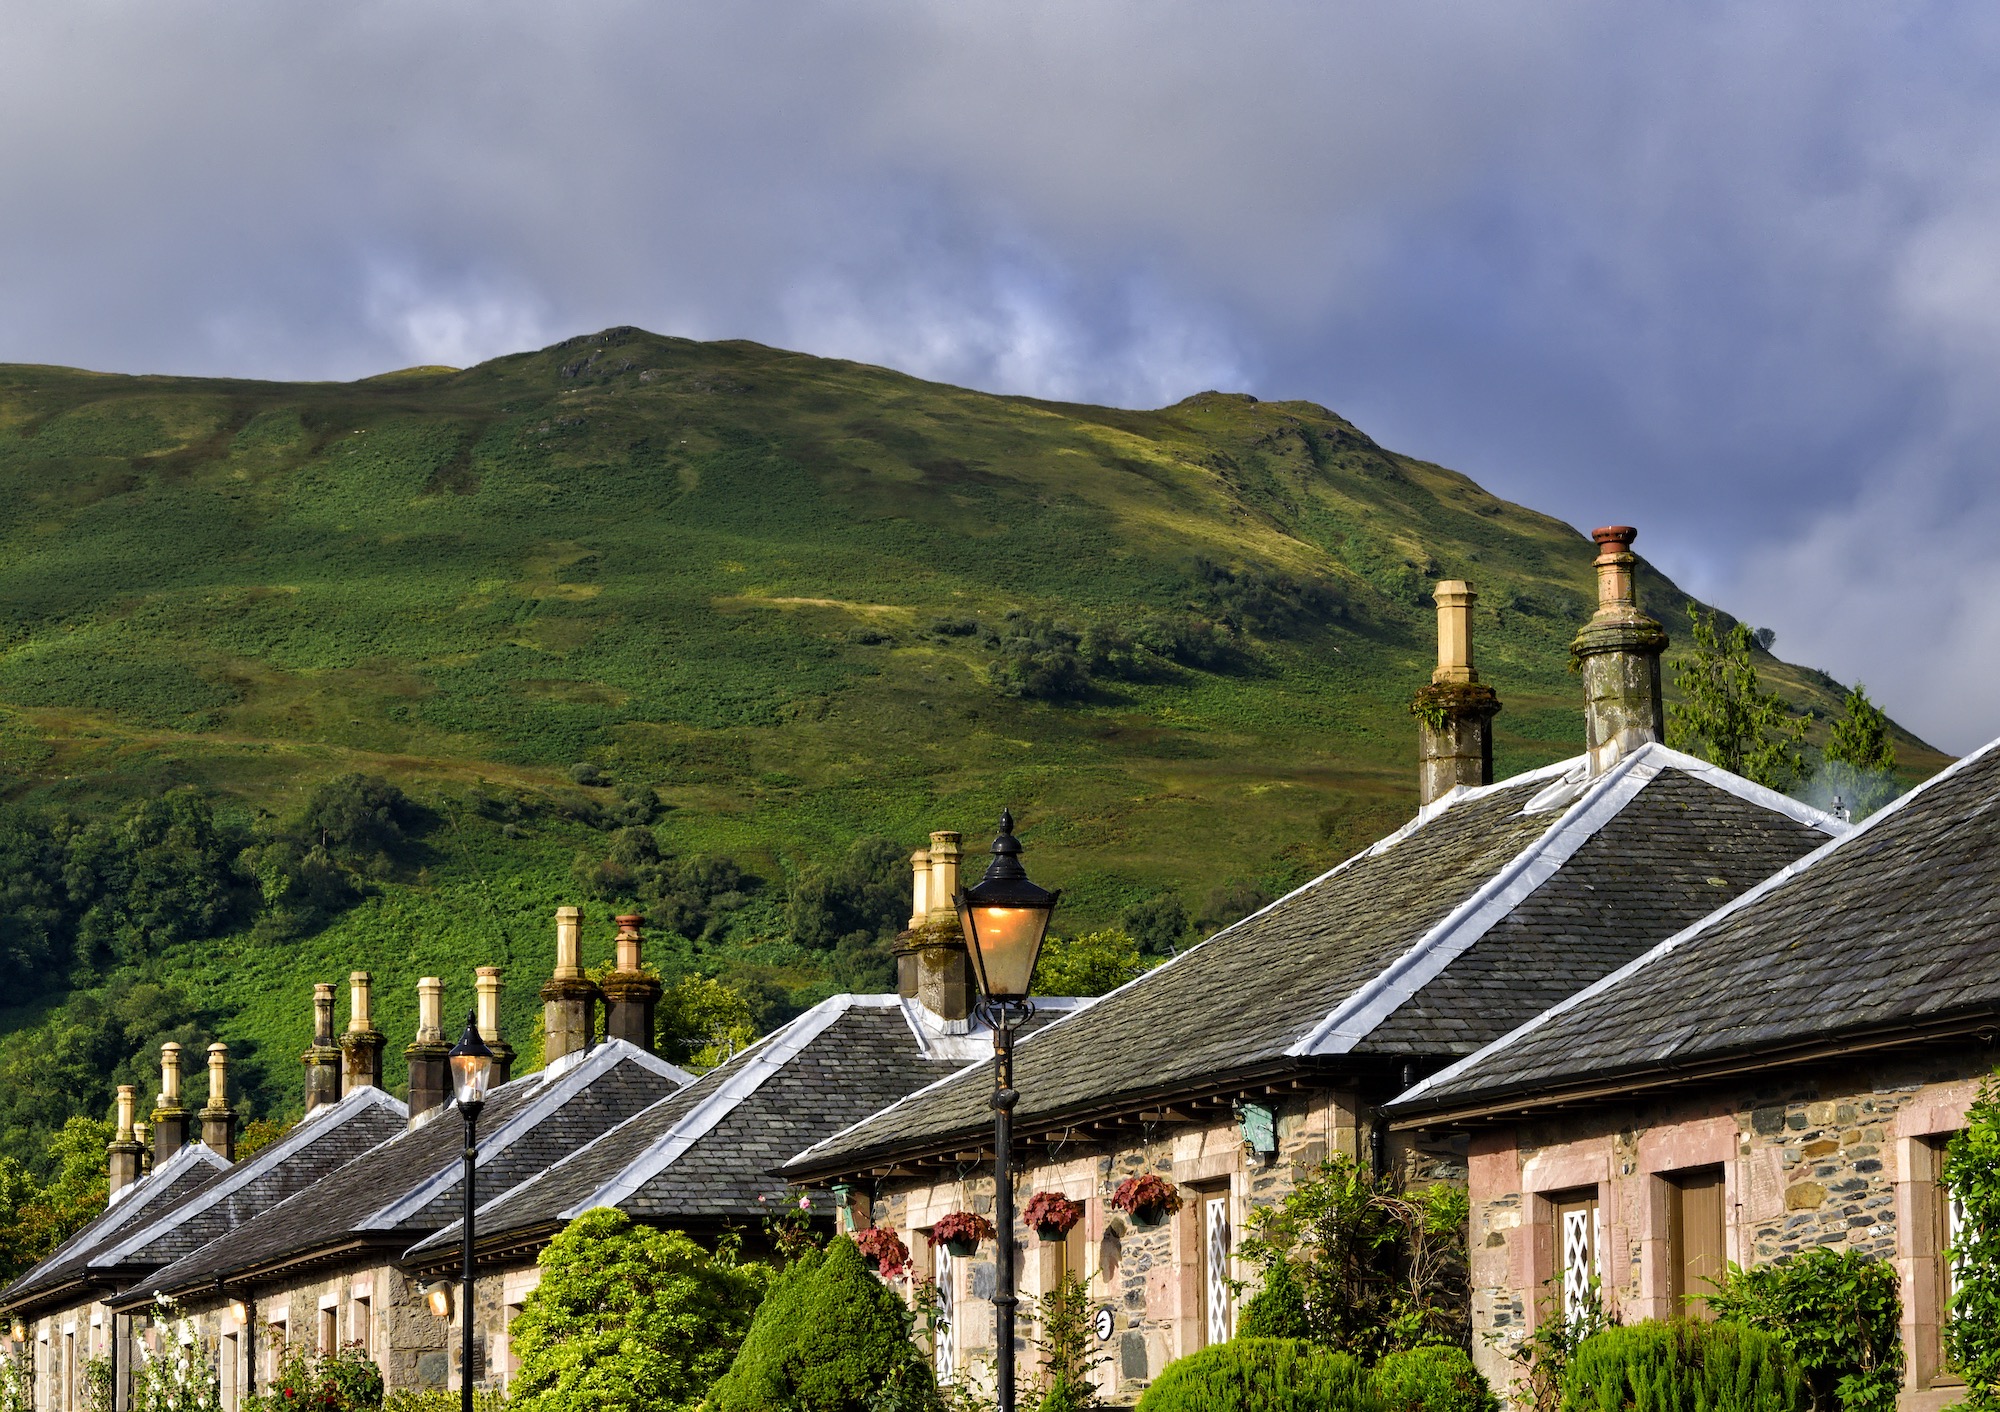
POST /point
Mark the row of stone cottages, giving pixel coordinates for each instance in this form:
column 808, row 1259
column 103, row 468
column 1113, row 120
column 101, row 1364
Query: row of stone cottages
column 1655, row 1015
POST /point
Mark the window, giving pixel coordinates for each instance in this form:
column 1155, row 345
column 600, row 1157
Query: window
column 328, row 1331
column 227, row 1372
column 360, row 1325
column 1576, row 1250
column 1695, row 1259
column 274, row 1348
column 1218, row 1300
column 944, row 1346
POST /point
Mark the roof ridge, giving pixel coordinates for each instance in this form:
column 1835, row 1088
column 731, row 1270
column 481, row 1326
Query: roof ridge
column 1694, row 930
column 321, row 1121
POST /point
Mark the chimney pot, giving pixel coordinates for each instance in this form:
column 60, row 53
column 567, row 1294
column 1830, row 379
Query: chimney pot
column 429, row 1056
column 322, row 1056
column 430, row 1009
column 358, row 1020
column 631, row 997
column 170, row 1118
column 941, row 896
column 361, row 1046
column 125, row 1152
column 1619, row 651
column 218, row 1119
column 569, row 997
column 486, row 988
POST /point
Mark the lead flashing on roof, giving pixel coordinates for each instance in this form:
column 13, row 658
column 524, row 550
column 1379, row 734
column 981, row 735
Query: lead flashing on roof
column 1842, row 834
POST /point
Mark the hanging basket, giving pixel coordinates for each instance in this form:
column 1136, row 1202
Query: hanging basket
column 1148, row 1199
column 884, row 1251
column 1050, row 1215
column 961, row 1231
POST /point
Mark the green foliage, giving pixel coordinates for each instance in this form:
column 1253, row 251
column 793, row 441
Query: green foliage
column 1263, row 1375
column 1159, row 924
column 701, row 1022
column 1069, row 1347
column 1972, row 1176
column 95, row 1380
column 854, row 910
column 36, row 1218
column 1725, row 716
column 829, row 1338
column 1090, row 963
column 1228, row 904
column 1545, row 1353
column 1836, row 1312
column 1860, row 734
column 1379, row 1268
column 17, row 1381
column 345, row 1380
column 1278, row 1308
column 694, row 897
column 1683, row 1366
column 438, row 1399
column 1431, row 1379
column 178, row 1375
column 628, row 1317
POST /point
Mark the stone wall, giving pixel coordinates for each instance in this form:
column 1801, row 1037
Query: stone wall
column 1149, row 1279
column 1842, row 1155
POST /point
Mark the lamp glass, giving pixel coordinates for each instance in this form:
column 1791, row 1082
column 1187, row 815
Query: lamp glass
column 438, row 1296
column 239, row 1311
column 471, row 1065
column 1005, row 942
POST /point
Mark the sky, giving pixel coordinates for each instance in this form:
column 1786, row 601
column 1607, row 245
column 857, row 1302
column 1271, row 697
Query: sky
column 1729, row 272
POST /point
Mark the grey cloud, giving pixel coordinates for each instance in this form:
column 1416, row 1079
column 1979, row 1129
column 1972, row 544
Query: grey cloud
column 1724, row 271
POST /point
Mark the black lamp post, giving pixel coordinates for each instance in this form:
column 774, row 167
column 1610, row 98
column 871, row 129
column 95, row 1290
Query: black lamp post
column 1005, row 919
column 471, row 1069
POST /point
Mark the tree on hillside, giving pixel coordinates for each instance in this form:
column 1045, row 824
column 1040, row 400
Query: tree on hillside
column 1091, row 963
column 701, row 1022
column 1725, row 716
column 35, row 1219
column 1159, row 924
column 628, row 1317
column 1861, row 735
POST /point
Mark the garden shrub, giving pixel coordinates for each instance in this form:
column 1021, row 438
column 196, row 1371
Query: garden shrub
column 1836, row 1312
column 344, row 1381
column 1436, row 1379
column 1278, row 1310
column 829, row 1338
column 629, row 1317
column 1262, row 1375
column 1972, row 1175
column 1683, row 1366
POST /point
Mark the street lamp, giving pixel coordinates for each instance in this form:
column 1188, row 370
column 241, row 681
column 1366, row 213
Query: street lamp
column 1005, row 918
column 471, row 1069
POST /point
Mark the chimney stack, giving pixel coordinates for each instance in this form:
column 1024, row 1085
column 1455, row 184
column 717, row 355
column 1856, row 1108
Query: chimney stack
column 1619, row 651
column 931, row 965
column 430, row 1067
column 322, row 1057
column 1455, row 712
column 218, row 1119
column 170, row 1119
column 907, row 949
column 631, row 994
column 361, row 1046
column 569, row 998
column 486, row 988
column 126, row 1149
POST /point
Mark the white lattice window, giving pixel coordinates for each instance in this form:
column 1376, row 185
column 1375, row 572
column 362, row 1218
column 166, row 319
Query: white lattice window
column 1576, row 1231
column 1221, row 1309
column 1954, row 1223
column 944, row 1350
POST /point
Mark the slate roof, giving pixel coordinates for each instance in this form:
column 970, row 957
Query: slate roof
column 408, row 1186
column 160, row 1190
column 1894, row 928
column 1407, row 948
column 707, row 1153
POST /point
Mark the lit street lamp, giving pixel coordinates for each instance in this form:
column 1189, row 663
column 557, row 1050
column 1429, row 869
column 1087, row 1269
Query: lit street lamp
column 1005, row 918
column 471, row 1070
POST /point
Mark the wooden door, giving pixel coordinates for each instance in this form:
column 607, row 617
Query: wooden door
column 1695, row 1245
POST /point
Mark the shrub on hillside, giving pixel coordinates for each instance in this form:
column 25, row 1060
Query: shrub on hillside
column 1836, row 1312
column 830, row 1338
column 1262, row 1375
column 1435, row 1379
column 629, row 1317
column 1683, row 1366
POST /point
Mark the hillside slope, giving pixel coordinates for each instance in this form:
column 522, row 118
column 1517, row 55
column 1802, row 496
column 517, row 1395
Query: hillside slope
column 805, row 600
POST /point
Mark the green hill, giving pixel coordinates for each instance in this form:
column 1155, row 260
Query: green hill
column 805, row 601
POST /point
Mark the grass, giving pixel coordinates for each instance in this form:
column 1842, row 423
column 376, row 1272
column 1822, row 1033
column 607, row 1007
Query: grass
column 714, row 568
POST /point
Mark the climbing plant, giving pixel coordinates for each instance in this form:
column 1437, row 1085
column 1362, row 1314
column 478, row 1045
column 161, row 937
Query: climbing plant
column 1972, row 1175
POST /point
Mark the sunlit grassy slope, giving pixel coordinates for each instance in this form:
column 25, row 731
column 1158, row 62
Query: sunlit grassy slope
column 720, row 569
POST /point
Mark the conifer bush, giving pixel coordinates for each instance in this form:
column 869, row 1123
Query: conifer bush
column 628, row 1317
column 1683, row 1366
column 831, row 1337
column 1436, row 1379
column 1263, row 1375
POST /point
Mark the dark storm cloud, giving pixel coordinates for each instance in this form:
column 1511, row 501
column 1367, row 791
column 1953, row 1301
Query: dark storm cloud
column 1725, row 271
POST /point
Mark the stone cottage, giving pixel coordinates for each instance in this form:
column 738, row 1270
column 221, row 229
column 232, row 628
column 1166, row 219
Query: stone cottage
column 1783, row 1074
column 1239, row 1065
column 70, row 1303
